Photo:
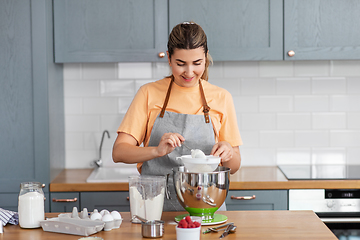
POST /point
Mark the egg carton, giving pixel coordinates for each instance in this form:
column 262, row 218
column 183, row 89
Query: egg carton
column 112, row 220
column 72, row 226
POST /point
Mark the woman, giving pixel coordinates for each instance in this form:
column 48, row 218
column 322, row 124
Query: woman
column 183, row 107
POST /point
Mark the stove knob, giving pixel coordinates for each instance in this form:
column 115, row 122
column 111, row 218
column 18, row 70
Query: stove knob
column 330, row 204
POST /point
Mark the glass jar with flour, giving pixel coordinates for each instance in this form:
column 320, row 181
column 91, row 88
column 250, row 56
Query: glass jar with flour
column 31, row 207
column 146, row 197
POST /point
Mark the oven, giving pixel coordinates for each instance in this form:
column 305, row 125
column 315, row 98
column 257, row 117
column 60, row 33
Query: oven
column 339, row 209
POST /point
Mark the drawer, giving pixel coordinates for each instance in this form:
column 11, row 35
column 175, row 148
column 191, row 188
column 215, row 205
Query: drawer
column 64, row 201
column 257, row 200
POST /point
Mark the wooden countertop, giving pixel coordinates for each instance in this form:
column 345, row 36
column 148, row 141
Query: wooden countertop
column 250, row 225
column 247, row 178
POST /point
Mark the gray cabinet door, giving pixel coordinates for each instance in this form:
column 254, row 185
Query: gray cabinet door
column 111, row 201
column 322, row 29
column 262, row 200
column 236, row 29
column 31, row 97
column 110, row 30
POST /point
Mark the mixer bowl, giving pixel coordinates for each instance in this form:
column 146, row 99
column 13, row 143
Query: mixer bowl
column 201, row 194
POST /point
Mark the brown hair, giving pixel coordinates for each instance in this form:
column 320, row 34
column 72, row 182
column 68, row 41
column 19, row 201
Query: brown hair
column 189, row 35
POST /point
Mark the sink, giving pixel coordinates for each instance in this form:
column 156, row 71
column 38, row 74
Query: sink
column 112, row 174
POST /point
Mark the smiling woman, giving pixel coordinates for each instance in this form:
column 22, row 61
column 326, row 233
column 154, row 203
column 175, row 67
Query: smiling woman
column 181, row 106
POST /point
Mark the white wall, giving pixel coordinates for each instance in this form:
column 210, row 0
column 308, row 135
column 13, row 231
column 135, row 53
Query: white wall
column 288, row 112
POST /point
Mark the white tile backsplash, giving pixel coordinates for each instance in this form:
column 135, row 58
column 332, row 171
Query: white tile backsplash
column 316, row 138
column 135, row 70
column 353, row 85
column 276, row 68
column 293, row 156
column 291, row 121
column 311, row 103
column 100, row 106
column 289, row 112
column 345, row 68
column 329, row 86
column 240, row 69
column 311, row 68
column 329, row 121
column 276, row 104
column 119, row 88
column 293, row 86
column 258, row 86
column 99, row 70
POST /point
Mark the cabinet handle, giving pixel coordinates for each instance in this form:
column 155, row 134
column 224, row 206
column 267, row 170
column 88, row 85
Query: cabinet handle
column 291, row 53
column 161, row 55
column 43, row 185
column 64, row 200
column 243, row 197
column 128, row 198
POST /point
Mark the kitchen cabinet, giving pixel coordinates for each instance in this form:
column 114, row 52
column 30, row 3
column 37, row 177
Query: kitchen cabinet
column 64, row 201
column 257, row 200
column 118, row 201
column 236, row 30
column 321, row 29
column 31, row 99
column 129, row 30
column 110, row 30
column 126, row 30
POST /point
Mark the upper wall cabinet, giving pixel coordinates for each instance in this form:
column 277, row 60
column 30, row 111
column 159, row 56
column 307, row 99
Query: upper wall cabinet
column 321, row 29
column 249, row 30
column 110, row 30
column 236, row 30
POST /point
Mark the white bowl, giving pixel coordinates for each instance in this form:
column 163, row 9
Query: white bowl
column 200, row 165
column 188, row 233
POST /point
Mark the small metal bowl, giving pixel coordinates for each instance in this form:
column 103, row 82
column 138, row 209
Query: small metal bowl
column 152, row 229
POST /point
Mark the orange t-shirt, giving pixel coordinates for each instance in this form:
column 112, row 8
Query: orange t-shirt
column 148, row 101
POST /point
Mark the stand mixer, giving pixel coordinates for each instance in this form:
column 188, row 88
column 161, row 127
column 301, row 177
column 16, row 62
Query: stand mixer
column 201, row 194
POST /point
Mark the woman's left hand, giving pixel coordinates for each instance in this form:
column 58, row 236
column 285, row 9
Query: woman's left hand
column 224, row 150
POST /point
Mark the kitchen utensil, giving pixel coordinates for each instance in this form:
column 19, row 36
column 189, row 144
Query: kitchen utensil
column 226, row 232
column 146, row 197
column 218, row 227
column 140, row 218
column 192, row 187
column 152, row 229
column 232, row 229
column 186, row 146
column 200, row 165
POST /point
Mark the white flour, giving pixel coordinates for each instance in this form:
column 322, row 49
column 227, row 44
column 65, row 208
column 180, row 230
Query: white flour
column 150, row 209
column 31, row 210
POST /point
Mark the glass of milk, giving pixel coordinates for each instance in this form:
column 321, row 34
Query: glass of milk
column 146, row 197
column 31, row 208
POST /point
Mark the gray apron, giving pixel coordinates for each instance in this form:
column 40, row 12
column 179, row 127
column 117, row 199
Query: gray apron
column 198, row 133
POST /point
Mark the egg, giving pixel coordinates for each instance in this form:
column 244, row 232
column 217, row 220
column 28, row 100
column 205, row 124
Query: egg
column 107, row 218
column 109, row 221
column 103, row 212
column 115, row 215
column 95, row 216
column 197, row 153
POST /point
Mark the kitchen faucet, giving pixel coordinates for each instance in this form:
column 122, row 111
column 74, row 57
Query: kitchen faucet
column 98, row 163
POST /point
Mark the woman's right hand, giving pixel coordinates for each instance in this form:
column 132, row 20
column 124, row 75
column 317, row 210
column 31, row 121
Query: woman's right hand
column 168, row 142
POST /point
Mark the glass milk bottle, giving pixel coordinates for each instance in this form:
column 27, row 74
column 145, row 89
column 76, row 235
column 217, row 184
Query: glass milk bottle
column 31, row 207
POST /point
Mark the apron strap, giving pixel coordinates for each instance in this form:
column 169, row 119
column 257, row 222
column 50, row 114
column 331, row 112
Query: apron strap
column 206, row 107
column 166, row 98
